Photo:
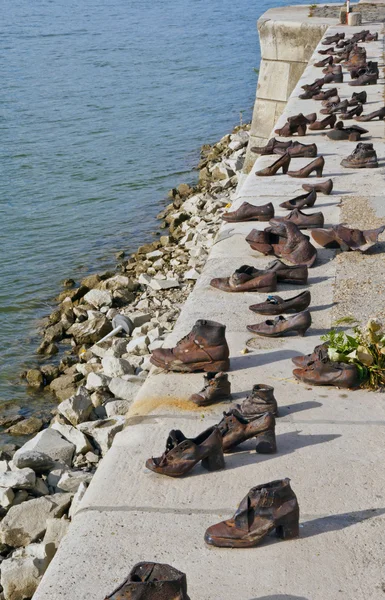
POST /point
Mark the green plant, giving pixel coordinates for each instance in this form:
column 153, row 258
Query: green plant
column 311, row 9
column 365, row 347
column 256, row 70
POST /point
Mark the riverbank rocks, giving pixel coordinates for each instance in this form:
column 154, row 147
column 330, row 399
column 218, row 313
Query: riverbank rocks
column 98, row 298
column 26, row 426
column 33, row 459
column 22, row 479
column 26, row 522
column 116, row 367
column 90, row 331
column 35, row 378
column 77, row 408
column 71, row 480
column 103, row 431
column 126, row 388
column 48, row 443
column 66, row 385
column 22, row 572
column 73, row 436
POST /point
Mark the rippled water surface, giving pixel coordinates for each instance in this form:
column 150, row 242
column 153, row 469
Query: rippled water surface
column 103, row 108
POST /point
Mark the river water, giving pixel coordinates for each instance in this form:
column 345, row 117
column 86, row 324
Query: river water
column 103, row 108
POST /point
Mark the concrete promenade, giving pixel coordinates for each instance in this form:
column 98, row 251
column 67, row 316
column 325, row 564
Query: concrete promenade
column 330, row 441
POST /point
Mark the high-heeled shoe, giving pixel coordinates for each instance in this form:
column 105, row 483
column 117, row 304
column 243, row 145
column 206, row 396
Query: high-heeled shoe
column 326, row 122
column 265, row 508
column 326, row 61
column 307, row 199
column 326, row 187
column 316, row 165
column 236, row 429
column 335, row 108
column 356, row 111
column 282, row 163
column 377, row 114
column 182, row 454
column 358, row 98
column 280, row 326
column 275, row 305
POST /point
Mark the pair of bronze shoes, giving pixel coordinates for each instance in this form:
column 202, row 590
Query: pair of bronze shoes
column 249, row 279
column 284, row 240
column 283, row 163
column 281, row 326
column 318, row 369
column 294, row 149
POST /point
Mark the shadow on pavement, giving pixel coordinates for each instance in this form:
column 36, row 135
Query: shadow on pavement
column 338, row 522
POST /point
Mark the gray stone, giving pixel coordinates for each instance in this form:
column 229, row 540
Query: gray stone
column 117, row 407
column 115, row 367
column 191, row 274
column 22, row 479
column 70, row 481
column 103, row 431
column 74, row 436
column 90, row 331
column 38, row 461
column 26, row 522
column 138, row 345
column 77, row 408
column 40, row 488
column 96, row 381
column 26, row 426
column 55, row 474
column 35, row 378
column 22, row 572
column 126, row 390
column 48, row 442
column 92, row 458
column 7, row 496
column 78, row 497
column 98, row 298
column 139, row 318
column 55, row 532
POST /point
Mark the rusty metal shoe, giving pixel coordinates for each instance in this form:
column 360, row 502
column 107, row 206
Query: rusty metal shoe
column 182, row 454
column 354, row 112
column 330, row 109
column 296, row 274
column 347, row 239
column 302, row 220
column 326, row 122
column 152, row 581
column 267, row 507
column 203, row 349
column 301, row 201
column 249, row 212
column 341, row 375
column 275, row 305
column 216, row 388
column 377, row 114
column 316, row 165
column 236, row 429
column 295, row 124
column 280, row 326
column 363, row 157
column 365, row 79
column 283, row 163
column 358, row 98
column 325, row 95
column 293, row 245
column 326, row 187
column 298, row 150
column 323, row 63
column 260, row 400
column 246, row 279
column 333, row 39
column 352, row 133
column 320, row 353
column 271, row 147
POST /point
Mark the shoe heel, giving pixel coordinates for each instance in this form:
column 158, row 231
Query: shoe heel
column 319, row 171
column 301, row 130
column 288, row 528
column 214, row 462
column 372, row 82
column 266, row 442
column 301, row 332
column 217, row 367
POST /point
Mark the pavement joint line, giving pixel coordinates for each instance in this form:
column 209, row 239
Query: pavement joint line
column 287, row 419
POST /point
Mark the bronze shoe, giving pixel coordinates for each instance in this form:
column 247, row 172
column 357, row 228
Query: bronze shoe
column 298, row 150
column 377, row 114
column 152, row 581
column 326, row 187
column 271, row 147
column 326, row 61
column 260, row 400
column 283, row 163
column 347, row 239
column 296, row 274
column 354, row 112
column 341, row 375
column 281, row 326
column 275, row 305
column 284, row 240
column 316, row 165
column 363, row 157
column 216, row 388
column 335, row 108
column 320, row 353
column 352, row 133
column 265, row 508
column 182, row 454
column 236, row 429
column 365, row 79
column 302, row 220
column 203, row 349
column 246, row 279
column 249, row 212
column 325, row 95
column 307, row 199
column 326, row 122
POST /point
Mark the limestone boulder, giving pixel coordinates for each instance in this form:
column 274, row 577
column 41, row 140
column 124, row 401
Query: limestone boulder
column 117, row 407
column 7, row 496
column 116, row 367
column 97, row 381
column 126, row 389
column 49, row 443
column 26, row 522
column 103, row 431
column 66, row 385
column 55, row 532
column 22, row 572
column 26, row 426
column 70, row 481
column 77, row 408
column 73, row 436
column 35, row 378
column 78, row 497
column 33, row 459
column 98, row 298
column 90, row 331
column 21, row 479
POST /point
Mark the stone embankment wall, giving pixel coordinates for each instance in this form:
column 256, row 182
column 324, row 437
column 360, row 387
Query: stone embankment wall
column 288, row 37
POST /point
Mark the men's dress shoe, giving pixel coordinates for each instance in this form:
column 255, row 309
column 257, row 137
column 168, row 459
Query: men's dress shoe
column 271, row 147
column 363, row 157
column 333, row 39
column 369, row 67
column 286, row 241
column 326, row 94
column 365, row 79
column 335, row 108
column 216, row 388
column 298, row 150
column 182, row 454
column 326, row 187
column 355, row 111
column 282, row 163
column 360, row 36
column 302, row 220
column 330, row 102
column 281, row 326
column 320, row 353
column 352, row 133
column 260, row 400
column 275, row 305
column 236, row 429
column 296, row 274
column 249, row 212
column 246, row 279
column 341, row 375
column 347, row 239
column 371, row 37
column 326, row 61
column 377, row 114
column 265, row 508
column 326, row 122
column 307, row 199
column 316, row 165
column 152, row 581
column 309, row 94
column 327, row 51
column 317, row 84
column 203, row 349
